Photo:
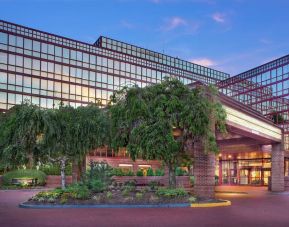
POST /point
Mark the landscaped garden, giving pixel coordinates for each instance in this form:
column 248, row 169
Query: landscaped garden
column 167, row 122
column 98, row 187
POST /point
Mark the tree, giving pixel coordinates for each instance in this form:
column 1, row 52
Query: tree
column 21, row 128
column 163, row 121
column 71, row 133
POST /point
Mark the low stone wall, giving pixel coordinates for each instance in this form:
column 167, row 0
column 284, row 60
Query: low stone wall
column 182, row 181
column 55, row 181
column 287, row 183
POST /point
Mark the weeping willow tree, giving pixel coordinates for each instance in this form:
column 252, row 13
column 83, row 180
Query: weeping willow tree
column 162, row 121
column 21, row 128
column 72, row 133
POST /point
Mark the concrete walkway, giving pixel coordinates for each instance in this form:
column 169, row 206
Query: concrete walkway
column 252, row 209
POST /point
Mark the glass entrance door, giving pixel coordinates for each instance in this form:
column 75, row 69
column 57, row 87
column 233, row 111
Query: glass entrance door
column 244, row 176
column 256, row 176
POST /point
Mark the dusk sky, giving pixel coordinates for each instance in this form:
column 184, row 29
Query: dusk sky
column 229, row 35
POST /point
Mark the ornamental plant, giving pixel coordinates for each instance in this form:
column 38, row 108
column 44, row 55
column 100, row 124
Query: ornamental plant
column 163, row 121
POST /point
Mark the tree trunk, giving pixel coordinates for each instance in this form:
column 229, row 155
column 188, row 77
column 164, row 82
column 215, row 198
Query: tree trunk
column 62, row 171
column 30, row 159
column 172, row 176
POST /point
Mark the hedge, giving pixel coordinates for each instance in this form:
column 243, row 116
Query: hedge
column 24, row 173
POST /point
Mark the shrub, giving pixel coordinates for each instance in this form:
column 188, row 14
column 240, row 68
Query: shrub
column 139, row 195
column 181, row 172
column 131, row 183
column 120, row 172
column 54, row 169
column 154, row 185
column 139, row 173
column 171, row 192
column 99, row 176
column 192, row 199
column 159, row 172
column 117, row 172
column 192, row 180
column 24, row 173
column 150, row 172
column 77, row 191
column 109, row 195
column 96, row 185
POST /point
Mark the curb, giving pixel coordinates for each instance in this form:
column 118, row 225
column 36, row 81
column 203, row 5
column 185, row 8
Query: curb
column 46, row 206
column 224, row 203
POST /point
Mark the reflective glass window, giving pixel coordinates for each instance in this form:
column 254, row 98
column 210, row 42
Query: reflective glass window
column 12, row 40
column 19, row 80
column 27, row 81
column 36, row 46
column 3, row 58
column 3, row 97
column 3, row 77
column 28, row 44
column 3, row 38
column 19, row 42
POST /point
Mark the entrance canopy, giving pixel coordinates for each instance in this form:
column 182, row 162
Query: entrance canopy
column 248, row 131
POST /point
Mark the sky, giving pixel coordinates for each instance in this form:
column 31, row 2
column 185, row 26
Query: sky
column 232, row 36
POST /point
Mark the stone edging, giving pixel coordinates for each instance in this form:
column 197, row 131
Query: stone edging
column 47, row 206
column 223, row 203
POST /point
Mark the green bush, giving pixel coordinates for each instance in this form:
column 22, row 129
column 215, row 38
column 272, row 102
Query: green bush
column 98, row 178
column 109, row 195
column 139, row 173
column 192, row 180
column 154, row 185
column 96, row 185
column 171, row 192
column 48, row 195
column 159, row 172
column 150, row 172
column 181, row 172
column 120, row 172
column 54, row 169
column 139, row 195
column 78, row 191
column 24, row 173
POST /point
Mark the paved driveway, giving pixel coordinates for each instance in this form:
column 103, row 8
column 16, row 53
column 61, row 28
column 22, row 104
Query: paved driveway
column 258, row 208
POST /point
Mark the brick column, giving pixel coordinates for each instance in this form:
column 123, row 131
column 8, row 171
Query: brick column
column 277, row 168
column 204, row 173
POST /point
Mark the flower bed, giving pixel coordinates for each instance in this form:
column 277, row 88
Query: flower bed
column 127, row 194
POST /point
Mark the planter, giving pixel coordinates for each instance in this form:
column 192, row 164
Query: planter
column 55, row 181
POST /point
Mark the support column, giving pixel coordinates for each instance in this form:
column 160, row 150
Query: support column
column 277, row 168
column 204, row 173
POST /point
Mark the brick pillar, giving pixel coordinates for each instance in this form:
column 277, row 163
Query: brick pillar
column 204, row 173
column 277, row 168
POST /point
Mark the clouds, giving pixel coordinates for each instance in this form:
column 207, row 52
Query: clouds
column 204, row 62
column 173, row 23
column 182, row 25
column 219, row 17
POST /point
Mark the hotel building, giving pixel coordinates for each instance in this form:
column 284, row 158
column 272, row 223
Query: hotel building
column 48, row 69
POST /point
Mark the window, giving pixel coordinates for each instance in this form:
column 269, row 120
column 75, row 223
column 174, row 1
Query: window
column 28, row 44
column 3, row 38
column 3, row 77
column 3, row 58
column 12, row 40
column 36, row 46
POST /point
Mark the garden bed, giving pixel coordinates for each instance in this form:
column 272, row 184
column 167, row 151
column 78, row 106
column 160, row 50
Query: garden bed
column 116, row 197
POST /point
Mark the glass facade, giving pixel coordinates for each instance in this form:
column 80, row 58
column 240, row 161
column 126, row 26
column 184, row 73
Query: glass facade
column 48, row 69
column 266, row 89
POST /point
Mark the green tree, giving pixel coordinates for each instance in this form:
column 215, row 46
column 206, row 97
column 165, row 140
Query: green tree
column 21, row 128
column 72, row 133
column 164, row 120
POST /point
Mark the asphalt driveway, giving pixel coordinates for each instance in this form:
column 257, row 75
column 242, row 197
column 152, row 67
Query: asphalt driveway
column 257, row 208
